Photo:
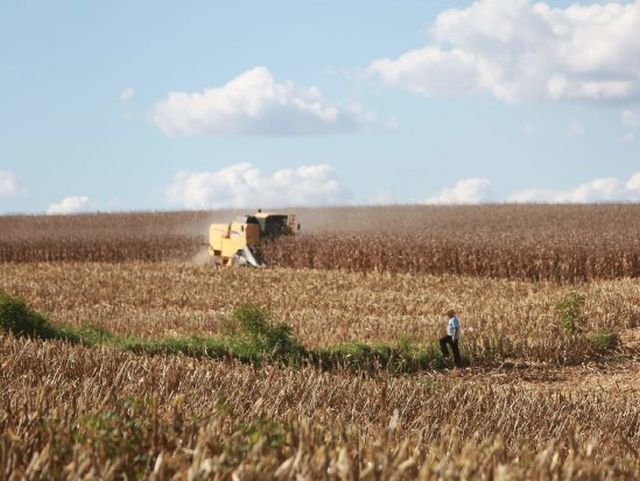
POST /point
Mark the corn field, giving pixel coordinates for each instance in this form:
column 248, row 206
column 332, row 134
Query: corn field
column 569, row 244
column 548, row 298
column 561, row 259
column 152, row 237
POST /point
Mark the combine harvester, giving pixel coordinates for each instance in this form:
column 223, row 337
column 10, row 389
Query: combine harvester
column 236, row 242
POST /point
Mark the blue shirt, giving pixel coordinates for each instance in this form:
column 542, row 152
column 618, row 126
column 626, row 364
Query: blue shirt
column 454, row 323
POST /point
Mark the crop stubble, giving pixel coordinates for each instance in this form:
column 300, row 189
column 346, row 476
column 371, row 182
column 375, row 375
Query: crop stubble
column 502, row 319
column 97, row 412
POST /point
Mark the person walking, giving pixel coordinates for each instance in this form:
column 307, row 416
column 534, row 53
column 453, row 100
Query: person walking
column 452, row 338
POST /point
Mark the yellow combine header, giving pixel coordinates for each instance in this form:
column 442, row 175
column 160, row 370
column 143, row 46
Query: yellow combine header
column 236, row 242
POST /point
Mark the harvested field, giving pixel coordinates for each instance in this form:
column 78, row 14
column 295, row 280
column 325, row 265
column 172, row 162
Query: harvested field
column 329, row 307
column 69, row 411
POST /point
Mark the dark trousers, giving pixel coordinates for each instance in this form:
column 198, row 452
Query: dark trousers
column 454, row 347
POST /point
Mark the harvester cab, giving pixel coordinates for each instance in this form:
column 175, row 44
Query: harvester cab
column 236, row 242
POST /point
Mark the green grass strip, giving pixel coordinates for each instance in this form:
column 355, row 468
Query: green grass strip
column 250, row 338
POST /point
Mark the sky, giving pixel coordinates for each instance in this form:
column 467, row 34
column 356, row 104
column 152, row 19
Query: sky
column 156, row 105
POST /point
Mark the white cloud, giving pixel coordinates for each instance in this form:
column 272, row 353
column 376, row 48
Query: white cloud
column 254, row 103
column 9, row 186
column 518, row 50
column 574, row 129
column 531, row 129
column 630, row 119
column 465, row 191
column 242, row 185
column 127, row 94
column 608, row 189
column 70, row 205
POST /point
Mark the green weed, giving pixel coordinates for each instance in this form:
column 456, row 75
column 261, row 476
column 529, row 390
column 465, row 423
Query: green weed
column 604, row 342
column 569, row 308
column 17, row 319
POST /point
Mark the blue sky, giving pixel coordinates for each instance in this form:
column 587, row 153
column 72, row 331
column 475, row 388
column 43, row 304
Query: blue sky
column 168, row 105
